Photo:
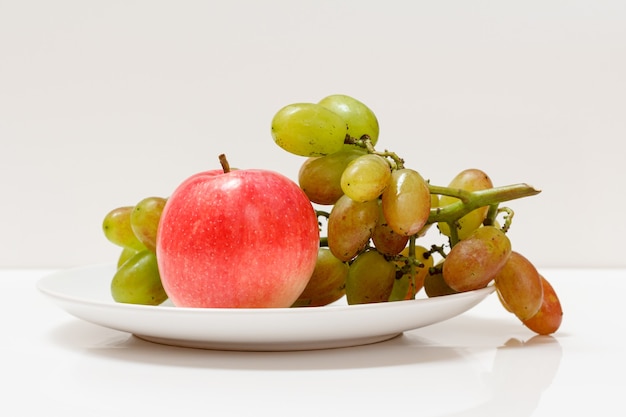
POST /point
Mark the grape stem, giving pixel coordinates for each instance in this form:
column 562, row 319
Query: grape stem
column 412, row 265
column 322, row 213
column 395, row 162
column 471, row 200
column 508, row 218
column 468, row 200
column 490, row 219
column 325, row 215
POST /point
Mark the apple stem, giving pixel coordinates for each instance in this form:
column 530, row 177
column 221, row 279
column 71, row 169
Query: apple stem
column 224, row 163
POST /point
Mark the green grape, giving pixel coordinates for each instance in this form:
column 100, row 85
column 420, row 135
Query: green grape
column 125, row 255
column 144, row 220
column 117, row 229
column 350, row 226
column 548, row 319
column 435, row 285
column 360, row 119
column 469, row 180
column 519, row 286
column 385, row 239
column 406, row 202
column 366, row 177
column 474, row 261
column 138, row 281
column 327, row 283
column 370, row 279
column 320, row 176
column 308, row 129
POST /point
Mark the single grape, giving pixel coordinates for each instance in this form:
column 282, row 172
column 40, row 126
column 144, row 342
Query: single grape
column 366, row 177
column 370, row 279
column 406, row 202
column 327, row 283
column 385, row 239
column 144, row 220
column 474, row 261
column 360, row 119
column 320, row 176
column 435, row 285
column 308, row 129
column 350, row 226
column 519, row 286
column 548, row 319
column 138, row 281
column 117, row 229
column 469, row 180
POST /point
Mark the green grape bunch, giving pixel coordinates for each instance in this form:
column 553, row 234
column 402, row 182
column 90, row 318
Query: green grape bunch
column 317, row 129
column 378, row 212
column 134, row 229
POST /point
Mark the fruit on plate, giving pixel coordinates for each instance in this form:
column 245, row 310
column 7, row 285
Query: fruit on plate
column 237, row 239
column 254, row 238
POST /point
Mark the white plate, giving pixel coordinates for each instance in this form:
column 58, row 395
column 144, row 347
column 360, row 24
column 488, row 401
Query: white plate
column 84, row 292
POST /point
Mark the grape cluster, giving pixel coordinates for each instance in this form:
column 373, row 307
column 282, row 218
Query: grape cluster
column 378, row 213
column 134, row 229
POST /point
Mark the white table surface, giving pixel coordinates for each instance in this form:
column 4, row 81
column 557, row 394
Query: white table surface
column 482, row 363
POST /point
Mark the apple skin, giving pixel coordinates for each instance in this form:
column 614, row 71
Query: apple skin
column 240, row 239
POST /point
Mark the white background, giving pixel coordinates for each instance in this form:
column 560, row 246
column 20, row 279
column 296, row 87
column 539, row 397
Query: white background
column 103, row 103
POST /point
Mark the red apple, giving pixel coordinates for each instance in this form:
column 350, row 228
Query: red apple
column 237, row 239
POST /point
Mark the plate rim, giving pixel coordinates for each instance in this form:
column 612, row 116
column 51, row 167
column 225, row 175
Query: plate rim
column 42, row 281
column 89, row 308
